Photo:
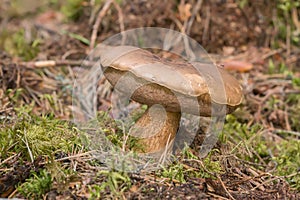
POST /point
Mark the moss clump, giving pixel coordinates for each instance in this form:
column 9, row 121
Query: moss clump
column 36, row 186
column 250, row 144
column 73, row 9
column 293, row 102
column 288, row 162
column 189, row 165
column 38, row 138
column 34, row 136
column 247, row 142
column 17, row 45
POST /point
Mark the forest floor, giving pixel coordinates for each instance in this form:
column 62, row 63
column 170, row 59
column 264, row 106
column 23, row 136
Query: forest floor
column 43, row 154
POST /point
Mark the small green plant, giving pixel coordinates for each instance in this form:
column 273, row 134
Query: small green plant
column 280, row 68
column 293, row 103
column 251, row 144
column 116, row 131
column 17, row 45
column 284, row 20
column 245, row 137
column 209, row 167
column 213, row 166
column 296, row 81
column 174, row 172
column 14, row 95
column 34, row 136
column 271, row 67
column 73, row 9
column 180, row 170
column 116, row 182
column 36, row 186
column 61, row 175
column 96, row 190
column 288, row 162
column 242, row 3
column 187, row 153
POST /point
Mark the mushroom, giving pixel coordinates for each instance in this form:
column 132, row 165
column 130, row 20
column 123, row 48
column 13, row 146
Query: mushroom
column 168, row 88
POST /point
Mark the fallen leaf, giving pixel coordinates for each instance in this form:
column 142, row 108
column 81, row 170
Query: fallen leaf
column 235, row 65
column 184, row 11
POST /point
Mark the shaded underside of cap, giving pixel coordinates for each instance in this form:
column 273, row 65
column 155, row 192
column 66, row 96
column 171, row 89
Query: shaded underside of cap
column 151, row 93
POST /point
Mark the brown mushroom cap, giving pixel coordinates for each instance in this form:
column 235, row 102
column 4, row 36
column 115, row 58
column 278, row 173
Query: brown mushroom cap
column 174, row 84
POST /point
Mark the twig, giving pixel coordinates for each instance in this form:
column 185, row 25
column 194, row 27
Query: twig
column 1, row 71
column 7, row 159
column 271, row 53
column 163, row 157
column 70, row 52
column 287, row 131
column 120, row 15
column 249, row 163
column 286, row 119
column 178, row 23
column 217, row 196
column 184, row 37
column 295, row 19
column 121, row 19
column 72, row 157
column 206, row 25
column 224, row 187
column 6, row 109
column 202, row 166
column 275, row 178
column 93, row 11
column 98, row 21
column 246, row 178
column 194, row 13
column 55, row 63
column 263, row 77
column 288, row 40
column 12, row 194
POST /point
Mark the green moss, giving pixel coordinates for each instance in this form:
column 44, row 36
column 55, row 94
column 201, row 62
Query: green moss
column 116, row 131
column 213, row 166
column 73, row 9
column 249, row 145
column 180, row 171
column 174, row 172
column 293, row 103
column 36, row 186
column 114, row 181
column 288, row 162
column 284, row 19
column 16, row 44
column 246, row 141
column 34, row 136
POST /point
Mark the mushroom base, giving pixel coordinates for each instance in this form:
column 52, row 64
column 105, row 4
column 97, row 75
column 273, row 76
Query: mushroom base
column 155, row 130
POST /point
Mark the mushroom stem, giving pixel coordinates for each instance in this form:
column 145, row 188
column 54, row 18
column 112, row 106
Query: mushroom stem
column 155, row 130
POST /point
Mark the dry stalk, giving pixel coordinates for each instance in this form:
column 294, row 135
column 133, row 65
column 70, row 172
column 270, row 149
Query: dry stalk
column 100, row 16
column 194, row 13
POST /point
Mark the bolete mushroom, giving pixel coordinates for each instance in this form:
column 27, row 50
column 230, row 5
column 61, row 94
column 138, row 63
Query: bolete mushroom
column 168, row 88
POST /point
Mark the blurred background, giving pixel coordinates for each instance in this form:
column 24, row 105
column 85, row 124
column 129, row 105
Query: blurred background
column 257, row 41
